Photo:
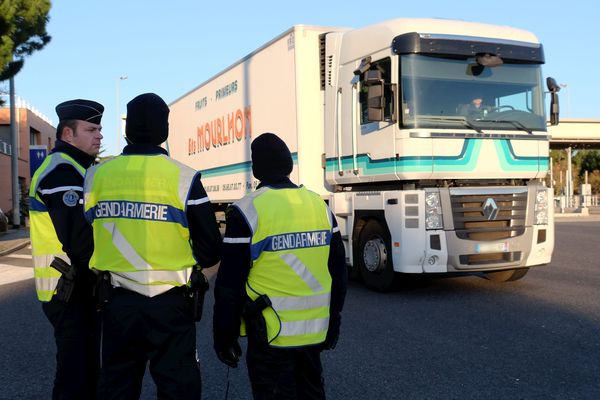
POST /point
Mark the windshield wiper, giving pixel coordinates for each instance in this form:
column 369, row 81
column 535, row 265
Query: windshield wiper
column 462, row 120
column 470, row 125
column 516, row 124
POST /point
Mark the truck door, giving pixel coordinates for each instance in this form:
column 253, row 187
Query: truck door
column 365, row 119
column 347, row 126
column 377, row 107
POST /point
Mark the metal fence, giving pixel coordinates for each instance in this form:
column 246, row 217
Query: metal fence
column 577, row 201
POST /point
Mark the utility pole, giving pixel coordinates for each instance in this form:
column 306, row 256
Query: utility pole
column 569, row 176
column 552, row 175
column 14, row 135
column 119, row 119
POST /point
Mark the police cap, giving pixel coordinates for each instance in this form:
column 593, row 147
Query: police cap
column 79, row 109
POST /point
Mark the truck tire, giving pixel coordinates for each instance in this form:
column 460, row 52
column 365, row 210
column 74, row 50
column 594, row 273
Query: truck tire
column 375, row 258
column 508, row 275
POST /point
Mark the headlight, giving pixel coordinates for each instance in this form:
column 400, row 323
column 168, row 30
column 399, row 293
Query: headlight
column 541, row 207
column 433, row 211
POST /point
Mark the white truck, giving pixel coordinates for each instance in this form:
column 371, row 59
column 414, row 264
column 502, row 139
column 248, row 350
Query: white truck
column 376, row 123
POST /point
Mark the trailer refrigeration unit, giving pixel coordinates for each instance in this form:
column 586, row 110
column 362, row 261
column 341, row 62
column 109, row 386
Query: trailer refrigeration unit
column 378, row 124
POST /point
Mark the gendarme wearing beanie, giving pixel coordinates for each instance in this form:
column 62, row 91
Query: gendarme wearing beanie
column 271, row 158
column 147, row 119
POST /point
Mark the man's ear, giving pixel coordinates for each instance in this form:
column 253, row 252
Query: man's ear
column 67, row 135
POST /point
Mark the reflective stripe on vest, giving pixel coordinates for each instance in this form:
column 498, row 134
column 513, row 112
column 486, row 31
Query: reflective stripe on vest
column 291, row 233
column 137, row 204
column 45, row 245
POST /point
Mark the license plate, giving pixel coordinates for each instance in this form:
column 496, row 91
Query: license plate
column 491, row 248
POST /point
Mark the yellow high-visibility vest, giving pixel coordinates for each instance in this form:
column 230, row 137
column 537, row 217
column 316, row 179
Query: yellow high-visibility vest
column 291, row 236
column 45, row 245
column 137, row 207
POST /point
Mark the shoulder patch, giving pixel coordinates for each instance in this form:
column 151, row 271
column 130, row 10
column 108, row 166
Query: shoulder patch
column 70, row 198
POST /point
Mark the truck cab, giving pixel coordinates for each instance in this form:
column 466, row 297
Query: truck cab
column 437, row 148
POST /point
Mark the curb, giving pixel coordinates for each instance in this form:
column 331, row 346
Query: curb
column 16, row 247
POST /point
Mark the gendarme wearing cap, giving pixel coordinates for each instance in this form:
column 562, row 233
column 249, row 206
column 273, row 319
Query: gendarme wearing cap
column 79, row 109
column 70, row 113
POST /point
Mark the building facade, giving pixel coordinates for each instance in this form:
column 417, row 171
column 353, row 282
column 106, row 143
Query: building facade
column 33, row 129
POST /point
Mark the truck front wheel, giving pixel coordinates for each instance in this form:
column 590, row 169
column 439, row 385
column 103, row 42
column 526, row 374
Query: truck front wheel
column 375, row 258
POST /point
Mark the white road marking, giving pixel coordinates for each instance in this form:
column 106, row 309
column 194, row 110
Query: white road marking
column 21, row 256
column 12, row 274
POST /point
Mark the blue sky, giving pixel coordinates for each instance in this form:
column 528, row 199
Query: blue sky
column 171, row 47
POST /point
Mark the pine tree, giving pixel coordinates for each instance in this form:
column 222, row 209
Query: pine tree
column 22, row 31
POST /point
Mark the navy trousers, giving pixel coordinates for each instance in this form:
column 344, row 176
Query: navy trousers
column 160, row 330
column 285, row 373
column 77, row 335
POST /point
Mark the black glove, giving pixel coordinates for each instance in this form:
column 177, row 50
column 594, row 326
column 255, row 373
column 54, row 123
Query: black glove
column 333, row 333
column 230, row 355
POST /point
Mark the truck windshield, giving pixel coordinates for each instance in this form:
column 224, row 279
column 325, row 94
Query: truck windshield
column 450, row 93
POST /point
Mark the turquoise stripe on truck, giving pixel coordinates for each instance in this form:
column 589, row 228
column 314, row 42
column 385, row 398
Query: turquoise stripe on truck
column 245, row 166
column 466, row 160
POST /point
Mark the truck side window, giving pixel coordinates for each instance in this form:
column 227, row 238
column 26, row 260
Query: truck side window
column 385, row 67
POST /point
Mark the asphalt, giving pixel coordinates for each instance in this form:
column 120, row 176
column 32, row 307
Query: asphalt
column 15, row 239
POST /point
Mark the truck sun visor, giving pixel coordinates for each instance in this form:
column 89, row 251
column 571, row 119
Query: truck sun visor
column 464, row 47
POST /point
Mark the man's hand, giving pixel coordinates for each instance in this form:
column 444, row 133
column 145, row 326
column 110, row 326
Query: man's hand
column 230, row 355
column 333, row 333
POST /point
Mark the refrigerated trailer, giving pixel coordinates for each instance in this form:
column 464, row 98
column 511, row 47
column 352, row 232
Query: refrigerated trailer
column 375, row 120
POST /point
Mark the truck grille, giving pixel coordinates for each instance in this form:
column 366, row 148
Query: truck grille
column 506, row 221
column 490, row 258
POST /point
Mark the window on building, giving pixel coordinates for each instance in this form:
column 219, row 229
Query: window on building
column 5, row 139
column 34, row 136
column 5, row 133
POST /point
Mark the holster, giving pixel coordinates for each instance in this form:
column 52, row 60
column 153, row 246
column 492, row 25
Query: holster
column 196, row 291
column 103, row 290
column 66, row 283
column 256, row 326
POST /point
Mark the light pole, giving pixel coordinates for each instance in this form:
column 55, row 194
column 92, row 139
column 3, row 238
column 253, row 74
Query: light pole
column 14, row 136
column 566, row 87
column 121, row 78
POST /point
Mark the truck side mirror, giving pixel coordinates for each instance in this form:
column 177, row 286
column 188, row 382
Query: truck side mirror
column 554, row 88
column 552, row 85
column 375, row 98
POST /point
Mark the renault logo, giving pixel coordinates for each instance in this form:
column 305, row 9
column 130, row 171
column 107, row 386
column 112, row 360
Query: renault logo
column 490, row 209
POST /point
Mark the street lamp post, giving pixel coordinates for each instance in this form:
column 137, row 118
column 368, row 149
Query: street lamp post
column 121, row 78
column 14, row 136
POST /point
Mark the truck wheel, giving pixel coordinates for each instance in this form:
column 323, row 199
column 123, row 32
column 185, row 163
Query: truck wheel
column 507, row 275
column 375, row 258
